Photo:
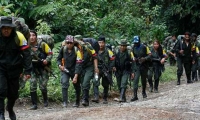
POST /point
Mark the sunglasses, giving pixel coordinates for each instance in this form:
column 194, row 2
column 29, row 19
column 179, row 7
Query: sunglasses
column 69, row 43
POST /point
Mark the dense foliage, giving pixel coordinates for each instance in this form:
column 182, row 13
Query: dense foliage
column 116, row 19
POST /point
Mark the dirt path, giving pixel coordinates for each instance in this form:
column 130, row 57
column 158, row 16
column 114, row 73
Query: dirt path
column 171, row 103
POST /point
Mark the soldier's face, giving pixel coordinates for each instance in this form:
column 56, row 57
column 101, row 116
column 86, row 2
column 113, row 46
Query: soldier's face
column 194, row 38
column 187, row 37
column 6, row 31
column 70, row 45
column 33, row 37
column 173, row 38
column 155, row 45
column 123, row 48
column 101, row 44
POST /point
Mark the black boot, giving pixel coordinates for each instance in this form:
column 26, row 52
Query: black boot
column 179, row 80
column 193, row 76
column 105, row 95
column 85, row 101
column 65, row 96
column 188, row 78
column 144, row 92
column 77, row 103
column 2, row 117
column 150, row 85
column 9, row 108
column 96, row 94
column 45, row 98
column 135, row 97
column 122, row 95
column 34, row 100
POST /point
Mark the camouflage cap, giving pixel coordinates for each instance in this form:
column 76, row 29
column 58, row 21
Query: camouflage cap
column 69, row 38
column 124, row 42
column 78, row 37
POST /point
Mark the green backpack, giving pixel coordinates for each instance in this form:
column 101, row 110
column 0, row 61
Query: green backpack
column 22, row 27
column 47, row 39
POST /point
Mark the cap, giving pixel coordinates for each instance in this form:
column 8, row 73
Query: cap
column 6, row 21
column 136, row 39
column 69, row 38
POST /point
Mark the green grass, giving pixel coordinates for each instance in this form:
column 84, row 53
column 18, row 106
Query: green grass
column 169, row 74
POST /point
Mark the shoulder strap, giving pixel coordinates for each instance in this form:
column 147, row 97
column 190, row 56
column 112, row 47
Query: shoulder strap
column 41, row 46
column 63, row 50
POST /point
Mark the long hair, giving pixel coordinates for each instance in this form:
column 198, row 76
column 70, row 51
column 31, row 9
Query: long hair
column 160, row 49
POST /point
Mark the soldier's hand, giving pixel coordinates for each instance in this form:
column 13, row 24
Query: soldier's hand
column 45, row 62
column 96, row 70
column 141, row 60
column 26, row 77
column 132, row 76
column 61, row 68
column 181, row 51
column 114, row 69
column 162, row 61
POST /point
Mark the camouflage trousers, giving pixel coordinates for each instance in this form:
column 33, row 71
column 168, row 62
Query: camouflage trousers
column 22, row 82
column 41, row 78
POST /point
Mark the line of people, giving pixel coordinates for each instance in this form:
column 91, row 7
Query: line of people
column 79, row 61
column 185, row 52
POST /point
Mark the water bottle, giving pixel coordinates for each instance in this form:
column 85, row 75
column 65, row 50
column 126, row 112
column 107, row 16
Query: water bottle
column 96, row 76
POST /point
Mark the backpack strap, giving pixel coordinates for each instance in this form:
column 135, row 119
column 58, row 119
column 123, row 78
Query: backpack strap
column 41, row 46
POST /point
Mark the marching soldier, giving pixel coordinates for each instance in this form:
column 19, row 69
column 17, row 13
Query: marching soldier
column 158, row 59
column 41, row 58
column 186, row 56
column 105, row 65
column 86, row 66
column 142, row 56
column 195, row 65
column 124, row 69
column 14, row 56
column 67, row 61
column 170, row 50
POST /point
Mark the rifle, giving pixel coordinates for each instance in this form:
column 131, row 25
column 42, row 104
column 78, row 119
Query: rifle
column 45, row 66
column 105, row 71
column 156, row 59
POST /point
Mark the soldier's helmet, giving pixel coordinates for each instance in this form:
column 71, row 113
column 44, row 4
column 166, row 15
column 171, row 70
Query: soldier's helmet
column 6, row 21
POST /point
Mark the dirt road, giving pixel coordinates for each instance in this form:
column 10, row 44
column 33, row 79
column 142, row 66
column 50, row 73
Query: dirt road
column 171, row 103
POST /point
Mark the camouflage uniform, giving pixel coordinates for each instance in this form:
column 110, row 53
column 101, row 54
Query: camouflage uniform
column 40, row 74
column 85, row 68
column 171, row 51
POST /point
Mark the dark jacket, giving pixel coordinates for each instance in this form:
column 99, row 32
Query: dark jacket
column 14, row 56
